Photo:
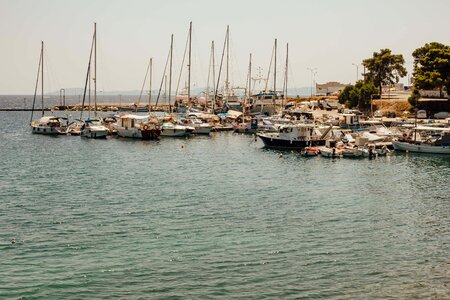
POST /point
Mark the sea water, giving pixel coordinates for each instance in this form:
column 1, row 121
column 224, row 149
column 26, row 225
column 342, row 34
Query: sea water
column 216, row 216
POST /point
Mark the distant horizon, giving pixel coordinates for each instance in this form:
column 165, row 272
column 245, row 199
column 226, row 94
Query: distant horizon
column 305, row 90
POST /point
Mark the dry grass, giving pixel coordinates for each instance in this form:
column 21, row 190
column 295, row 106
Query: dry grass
column 397, row 106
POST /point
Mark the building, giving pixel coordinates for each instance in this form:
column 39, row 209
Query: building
column 329, row 88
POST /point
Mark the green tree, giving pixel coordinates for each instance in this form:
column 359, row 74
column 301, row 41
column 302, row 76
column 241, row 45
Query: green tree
column 384, row 68
column 432, row 67
column 414, row 98
column 358, row 95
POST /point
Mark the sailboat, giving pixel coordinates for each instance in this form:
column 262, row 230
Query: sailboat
column 92, row 127
column 265, row 101
column 171, row 129
column 49, row 125
column 137, row 126
column 425, row 139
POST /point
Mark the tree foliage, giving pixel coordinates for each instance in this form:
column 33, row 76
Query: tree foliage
column 414, row 97
column 358, row 95
column 384, row 68
column 432, row 67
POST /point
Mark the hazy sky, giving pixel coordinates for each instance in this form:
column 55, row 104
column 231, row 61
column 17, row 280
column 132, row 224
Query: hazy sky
column 325, row 34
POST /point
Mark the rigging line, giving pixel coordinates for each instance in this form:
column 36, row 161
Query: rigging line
column 182, row 64
column 87, row 77
column 50, row 72
column 197, row 58
column 143, row 85
column 36, row 87
column 162, row 80
column 270, row 67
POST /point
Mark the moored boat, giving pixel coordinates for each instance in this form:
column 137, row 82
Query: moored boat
column 425, row 139
column 292, row 137
column 49, row 125
column 135, row 126
column 93, row 128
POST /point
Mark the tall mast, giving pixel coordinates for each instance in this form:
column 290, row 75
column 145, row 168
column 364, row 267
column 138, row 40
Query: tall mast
column 42, row 77
column 209, row 73
column 36, row 85
column 216, row 89
column 228, row 59
column 213, row 72
column 170, row 70
column 189, row 63
column 250, row 77
column 275, row 68
column 95, row 69
column 275, row 73
column 150, row 85
column 247, row 97
column 286, row 77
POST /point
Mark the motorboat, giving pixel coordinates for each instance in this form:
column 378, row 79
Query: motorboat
column 425, row 139
column 93, row 128
column 293, row 136
column 198, row 126
column 137, row 126
column 310, row 151
column 49, row 125
column 174, row 130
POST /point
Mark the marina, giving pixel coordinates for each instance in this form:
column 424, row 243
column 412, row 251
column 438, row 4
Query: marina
column 224, row 150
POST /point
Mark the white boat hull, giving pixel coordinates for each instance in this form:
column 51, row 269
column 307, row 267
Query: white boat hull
column 202, row 129
column 420, row 148
column 47, row 130
column 129, row 133
column 94, row 133
column 174, row 132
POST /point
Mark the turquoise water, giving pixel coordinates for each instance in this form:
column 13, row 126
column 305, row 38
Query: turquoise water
column 216, row 217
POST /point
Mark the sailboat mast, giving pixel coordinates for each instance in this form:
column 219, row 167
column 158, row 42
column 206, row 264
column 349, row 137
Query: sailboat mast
column 208, row 79
column 95, row 69
column 213, row 73
column 150, row 85
column 42, row 77
column 275, row 68
column 275, row 72
column 244, row 106
column 36, row 86
column 189, row 63
column 286, row 77
column 228, row 64
column 170, row 71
